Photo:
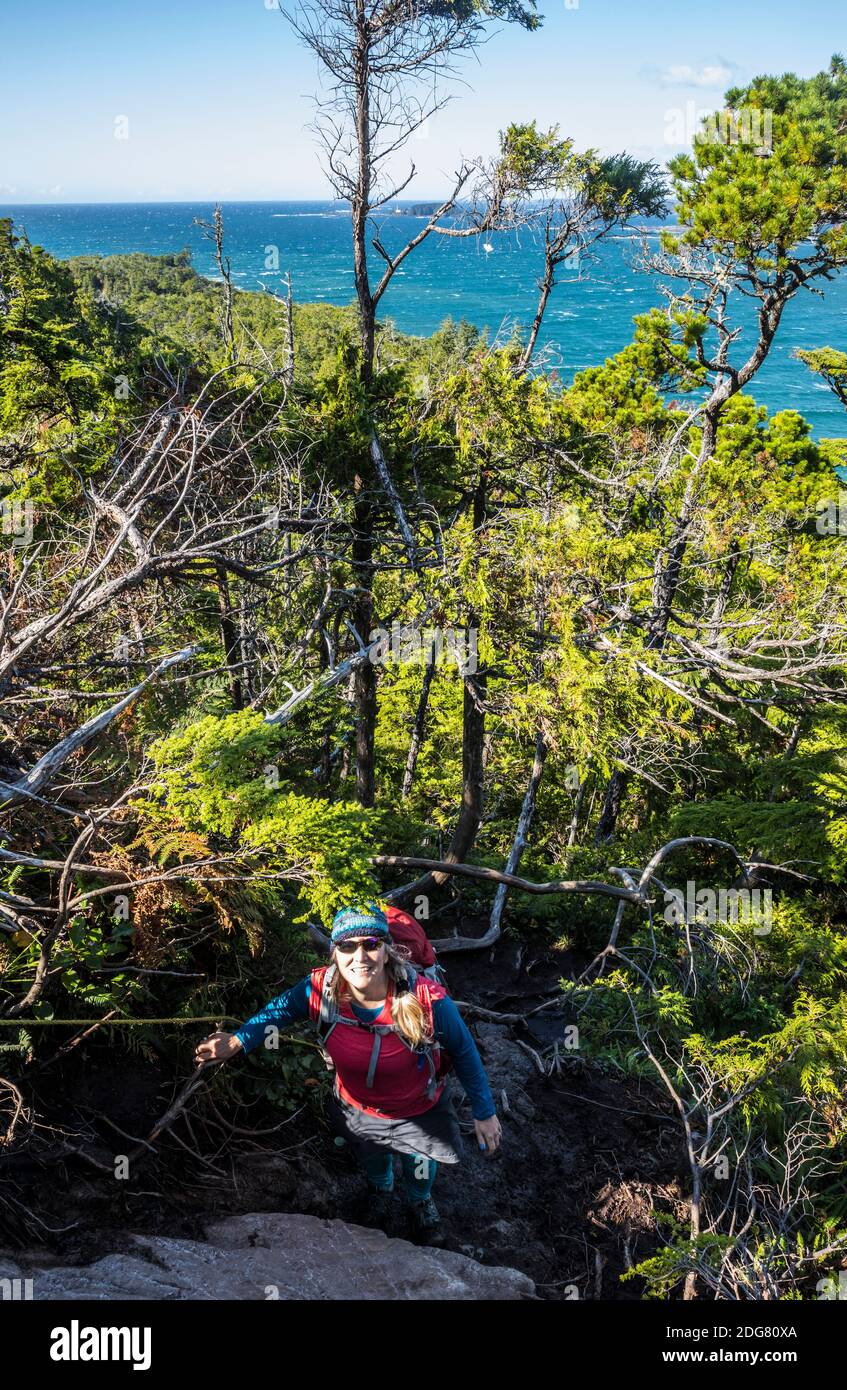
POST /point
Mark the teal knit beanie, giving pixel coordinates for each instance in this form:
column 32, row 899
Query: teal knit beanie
column 354, row 921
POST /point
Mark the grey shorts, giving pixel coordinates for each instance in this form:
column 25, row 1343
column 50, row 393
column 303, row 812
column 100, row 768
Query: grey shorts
column 435, row 1133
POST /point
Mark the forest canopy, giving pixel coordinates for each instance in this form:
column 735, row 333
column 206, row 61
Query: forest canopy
column 235, row 531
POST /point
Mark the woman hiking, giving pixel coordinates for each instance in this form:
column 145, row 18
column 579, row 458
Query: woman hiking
column 387, row 1030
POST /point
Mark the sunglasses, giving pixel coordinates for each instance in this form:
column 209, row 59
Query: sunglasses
column 348, row 945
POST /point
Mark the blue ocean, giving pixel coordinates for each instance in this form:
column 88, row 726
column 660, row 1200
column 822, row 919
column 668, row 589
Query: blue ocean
column 490, row 281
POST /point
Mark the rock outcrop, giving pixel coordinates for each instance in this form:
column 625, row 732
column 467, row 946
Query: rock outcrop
column 273, row 1255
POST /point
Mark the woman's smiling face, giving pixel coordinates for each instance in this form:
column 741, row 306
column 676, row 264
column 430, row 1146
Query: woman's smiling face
column 361, row 966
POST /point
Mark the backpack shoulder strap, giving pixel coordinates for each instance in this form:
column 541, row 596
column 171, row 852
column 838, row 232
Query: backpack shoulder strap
column 322, row 1007
column 428, row 992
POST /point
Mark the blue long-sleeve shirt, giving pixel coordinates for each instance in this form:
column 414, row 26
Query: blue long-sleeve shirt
column 451, row 1033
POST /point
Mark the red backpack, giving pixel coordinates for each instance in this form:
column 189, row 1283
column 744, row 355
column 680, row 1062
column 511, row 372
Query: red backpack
column 407, row 931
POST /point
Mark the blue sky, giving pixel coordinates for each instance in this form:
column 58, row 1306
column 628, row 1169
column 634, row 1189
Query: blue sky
column 215, row 95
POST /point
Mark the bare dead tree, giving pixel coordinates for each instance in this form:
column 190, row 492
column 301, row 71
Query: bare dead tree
column 722, row 656
column 598, row 196
column 418, row 726
column 214, row 232
column 385, row 64
column 289, row 334
column 713, row 278
column 188, row 488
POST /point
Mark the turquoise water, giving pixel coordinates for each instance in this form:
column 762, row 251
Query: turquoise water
column 589, row 317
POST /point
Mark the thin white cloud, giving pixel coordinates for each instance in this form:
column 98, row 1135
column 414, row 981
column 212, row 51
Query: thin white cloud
column 706, row 75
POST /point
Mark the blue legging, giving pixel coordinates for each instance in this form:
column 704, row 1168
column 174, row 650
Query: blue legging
column 418, row 1173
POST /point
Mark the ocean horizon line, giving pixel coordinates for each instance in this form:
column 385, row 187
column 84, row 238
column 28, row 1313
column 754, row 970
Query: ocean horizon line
column 188, row 202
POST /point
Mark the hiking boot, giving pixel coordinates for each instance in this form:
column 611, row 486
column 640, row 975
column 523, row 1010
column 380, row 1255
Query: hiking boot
column 376, row 1208
column 425, row 1223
